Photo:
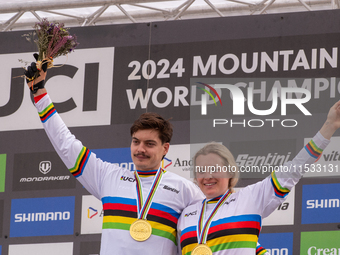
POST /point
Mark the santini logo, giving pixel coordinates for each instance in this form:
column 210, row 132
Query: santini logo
column 171, row 189
column 42, row 216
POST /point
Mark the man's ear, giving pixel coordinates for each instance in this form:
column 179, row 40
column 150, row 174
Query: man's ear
column 166, row 147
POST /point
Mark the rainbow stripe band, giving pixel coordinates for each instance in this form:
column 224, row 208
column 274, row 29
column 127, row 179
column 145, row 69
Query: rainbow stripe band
column 313, row 150
column 146, row 173
column 203, row 229
column 260, row 250
column 144, row 208
column 227, row 233
column 121, row 212
column 278, row 189
column 81, row 162
column 47, row 113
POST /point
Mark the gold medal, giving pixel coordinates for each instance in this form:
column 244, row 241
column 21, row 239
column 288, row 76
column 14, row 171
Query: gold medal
column 201, row 249
column 140, row 230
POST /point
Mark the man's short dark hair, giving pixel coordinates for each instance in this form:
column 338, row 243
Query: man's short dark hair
column 151, row 120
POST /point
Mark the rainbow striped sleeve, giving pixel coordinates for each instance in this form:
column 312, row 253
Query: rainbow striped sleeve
column 47, row 113
column 260, row 250
column 120, row 213
column 81, row 162
column 234, row 232
column 279, row 190
column 313, row 150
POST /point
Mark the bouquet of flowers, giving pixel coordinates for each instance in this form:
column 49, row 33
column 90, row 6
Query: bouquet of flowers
column 53, row 40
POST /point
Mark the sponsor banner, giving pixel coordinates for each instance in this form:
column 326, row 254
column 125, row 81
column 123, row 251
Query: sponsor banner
column 118, row 156
column 91, row 215
column 1, row 218
column 2, row 172
column 320, row 242
column 41, row 249
column 320, row 203
column 46, row 216
column 259, row 163
column 162, row 83
column 41, row 171
column 89, row 74
column 328, row 164
column 284, row 214
column 180, row 156
column 89, row 248
column 277, row 243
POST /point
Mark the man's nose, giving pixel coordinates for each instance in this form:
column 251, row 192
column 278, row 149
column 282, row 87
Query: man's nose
column 141, row 147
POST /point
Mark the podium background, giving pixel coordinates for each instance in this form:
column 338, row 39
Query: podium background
column 102, row 88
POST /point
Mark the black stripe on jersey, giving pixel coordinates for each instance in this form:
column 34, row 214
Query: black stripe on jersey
column 189, row 241
column 233, row 231
column 120, row 213
column 161, row 220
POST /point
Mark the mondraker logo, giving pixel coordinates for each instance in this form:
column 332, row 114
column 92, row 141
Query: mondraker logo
column 45, row 166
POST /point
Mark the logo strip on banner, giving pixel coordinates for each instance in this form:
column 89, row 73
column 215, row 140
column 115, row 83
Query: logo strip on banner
column 88, row 104
column 42, row 216
column 2, row 172
column 320, row 203
column 320, row 242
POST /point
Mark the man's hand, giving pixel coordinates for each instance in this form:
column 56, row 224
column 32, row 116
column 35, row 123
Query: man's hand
column 333, row 121
column 36, row 78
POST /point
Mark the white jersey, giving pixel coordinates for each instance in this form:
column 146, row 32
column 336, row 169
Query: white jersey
column 116, row 188
column 236, row 226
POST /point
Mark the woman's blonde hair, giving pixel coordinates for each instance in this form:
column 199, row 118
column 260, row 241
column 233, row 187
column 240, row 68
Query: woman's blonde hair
column 227, row 158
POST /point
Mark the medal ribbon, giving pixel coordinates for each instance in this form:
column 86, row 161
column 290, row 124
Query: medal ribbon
column 143, row 208
column 202, row 229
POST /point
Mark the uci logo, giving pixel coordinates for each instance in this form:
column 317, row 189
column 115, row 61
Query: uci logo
column 80, row 89
column 45, row 167
column 125, row 178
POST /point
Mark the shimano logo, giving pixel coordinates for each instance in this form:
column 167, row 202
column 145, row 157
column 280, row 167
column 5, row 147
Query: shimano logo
column 42, row 216
column 190, row 214
column 129, row 179
column 171, row 189
column 276, row 251
column 323, row 203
